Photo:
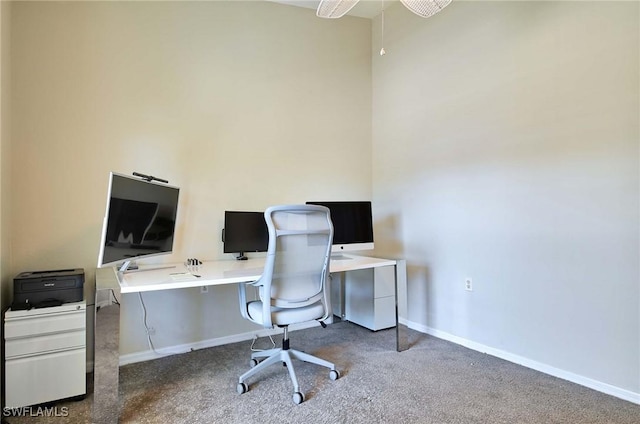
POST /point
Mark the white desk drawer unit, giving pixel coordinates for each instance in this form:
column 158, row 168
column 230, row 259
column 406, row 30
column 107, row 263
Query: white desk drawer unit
column 370, row 298
column 45, row 354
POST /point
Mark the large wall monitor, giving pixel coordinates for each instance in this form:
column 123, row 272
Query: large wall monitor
column 139, row 222
column 244, row 232
column 352, row 225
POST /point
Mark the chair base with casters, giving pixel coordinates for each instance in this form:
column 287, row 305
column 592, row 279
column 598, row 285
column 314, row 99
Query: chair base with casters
column 284, row 355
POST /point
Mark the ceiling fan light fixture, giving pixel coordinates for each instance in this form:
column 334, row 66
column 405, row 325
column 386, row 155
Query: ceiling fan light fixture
column 425, row 8
column 333, row 9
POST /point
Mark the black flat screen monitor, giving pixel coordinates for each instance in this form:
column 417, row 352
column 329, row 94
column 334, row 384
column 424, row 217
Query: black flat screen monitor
column 352, row 225
column 244, row 232
column 140, row 220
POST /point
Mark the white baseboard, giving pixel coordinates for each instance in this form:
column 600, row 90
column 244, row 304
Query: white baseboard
column 529, row 363
column 148, row 355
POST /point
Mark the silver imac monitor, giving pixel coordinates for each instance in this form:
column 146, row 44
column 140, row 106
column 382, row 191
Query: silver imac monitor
column 352, row 224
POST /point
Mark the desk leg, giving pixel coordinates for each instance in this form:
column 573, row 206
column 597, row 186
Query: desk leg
column 337, row 295
column 341, row 294
column 106, row 406
column 402, row 336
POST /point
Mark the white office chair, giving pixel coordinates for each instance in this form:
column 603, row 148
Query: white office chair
column 293, row 287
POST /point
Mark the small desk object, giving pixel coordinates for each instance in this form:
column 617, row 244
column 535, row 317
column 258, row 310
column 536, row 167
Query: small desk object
column 110, row 284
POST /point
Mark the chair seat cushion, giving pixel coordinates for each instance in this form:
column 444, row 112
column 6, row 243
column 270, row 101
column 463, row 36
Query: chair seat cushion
column 286, row 316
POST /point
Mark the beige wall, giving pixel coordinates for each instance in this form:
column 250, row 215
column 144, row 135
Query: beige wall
column 506, row 149
column 241, row 104
column 5, row 152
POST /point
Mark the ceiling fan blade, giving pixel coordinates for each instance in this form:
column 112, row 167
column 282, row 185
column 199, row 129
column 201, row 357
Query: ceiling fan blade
column 334, row 8
column 425, row 8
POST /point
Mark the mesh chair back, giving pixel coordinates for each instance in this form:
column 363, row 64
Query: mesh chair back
column 300, row 238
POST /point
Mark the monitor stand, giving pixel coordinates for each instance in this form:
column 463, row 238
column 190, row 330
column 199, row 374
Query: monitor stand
column 339, row 257
column 131, row 266
column 128, row 266
column 241, row 257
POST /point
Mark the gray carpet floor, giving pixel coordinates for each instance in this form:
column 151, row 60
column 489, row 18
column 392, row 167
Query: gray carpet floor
column 434, row 381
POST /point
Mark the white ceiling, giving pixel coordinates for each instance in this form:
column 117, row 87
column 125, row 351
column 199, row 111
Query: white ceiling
column 364, row 8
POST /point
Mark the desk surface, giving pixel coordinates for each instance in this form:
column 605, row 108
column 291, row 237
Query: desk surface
column 212, row 273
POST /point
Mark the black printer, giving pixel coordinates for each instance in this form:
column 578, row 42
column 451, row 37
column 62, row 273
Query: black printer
column 41, row 289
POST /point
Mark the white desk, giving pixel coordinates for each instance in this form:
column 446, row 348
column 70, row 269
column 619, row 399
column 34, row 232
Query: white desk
column 178, row 276
column 215, row 273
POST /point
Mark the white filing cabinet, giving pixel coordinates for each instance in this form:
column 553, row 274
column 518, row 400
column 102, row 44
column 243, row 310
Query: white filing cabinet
column 45, row 354
column 370, row 297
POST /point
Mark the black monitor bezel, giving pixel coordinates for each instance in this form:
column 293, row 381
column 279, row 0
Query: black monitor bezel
column 244, row 220
column 145, row 191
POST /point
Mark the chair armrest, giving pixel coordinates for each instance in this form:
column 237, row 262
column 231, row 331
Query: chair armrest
column 242, row 297
column 244, row 301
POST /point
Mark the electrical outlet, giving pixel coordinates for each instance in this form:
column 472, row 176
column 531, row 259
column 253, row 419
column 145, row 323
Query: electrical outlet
column 204, row 289
column 151, row 331
column 468, row 284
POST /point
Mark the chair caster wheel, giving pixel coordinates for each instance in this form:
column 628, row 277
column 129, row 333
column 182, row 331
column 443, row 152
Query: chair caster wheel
column 334, row 374
column 242, row 388
column 253, row 363
column 298, row 398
